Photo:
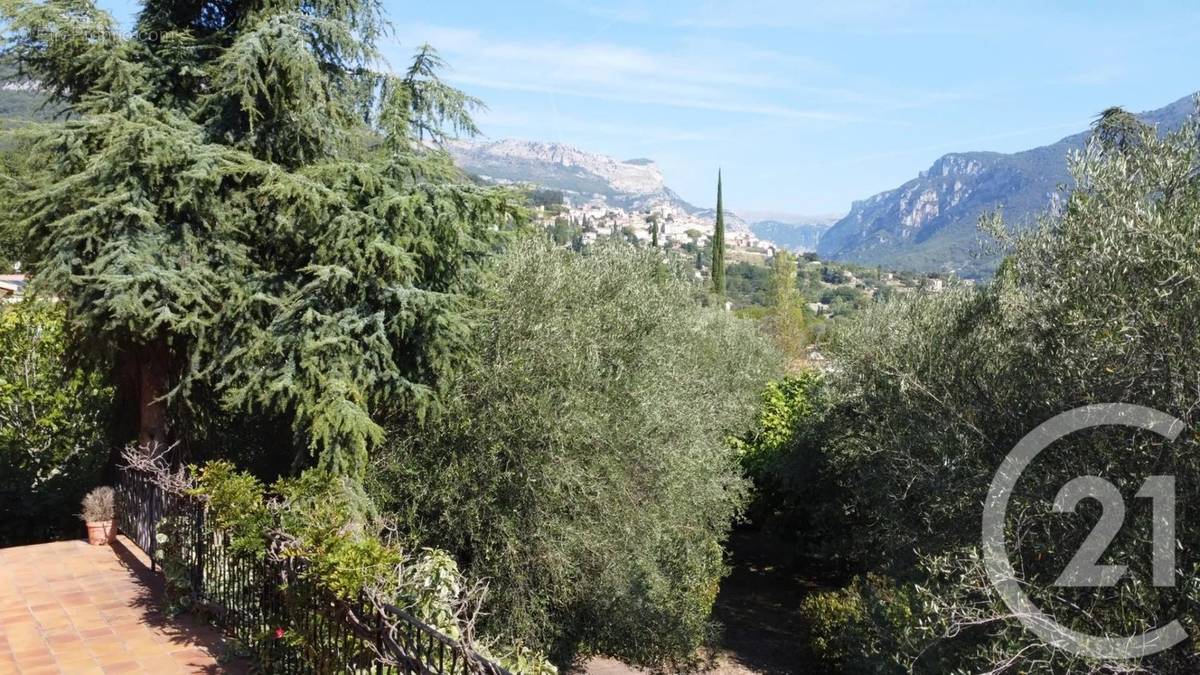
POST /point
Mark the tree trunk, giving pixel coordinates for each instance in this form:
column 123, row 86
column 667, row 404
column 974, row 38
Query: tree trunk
column 155, row 376
column 145, row 377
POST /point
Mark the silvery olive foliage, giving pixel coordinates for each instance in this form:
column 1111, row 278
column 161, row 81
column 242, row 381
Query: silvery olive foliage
column 582, row 467
column 1099, row 304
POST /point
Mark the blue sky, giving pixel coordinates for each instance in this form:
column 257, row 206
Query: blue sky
column 805, row 106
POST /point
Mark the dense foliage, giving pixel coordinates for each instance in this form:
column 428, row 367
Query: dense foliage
column 323, row 520
column 786, row 407
column 582, row 466
column 931, row 393
column 239, row 212
column 53, row 426
column 788, row 322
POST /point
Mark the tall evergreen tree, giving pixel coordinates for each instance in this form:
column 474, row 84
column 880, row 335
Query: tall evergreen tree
column 652, row 221
column 718, row 245
column 242, row 211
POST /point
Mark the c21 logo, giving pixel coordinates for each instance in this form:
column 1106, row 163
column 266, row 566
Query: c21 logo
column 1084, row 569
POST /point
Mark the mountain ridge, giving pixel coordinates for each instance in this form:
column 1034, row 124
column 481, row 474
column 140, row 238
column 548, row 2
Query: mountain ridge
column 634, row 184
column 800, row 234
column 929, row 222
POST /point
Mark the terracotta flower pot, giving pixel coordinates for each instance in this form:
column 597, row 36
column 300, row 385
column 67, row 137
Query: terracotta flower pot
column 101, row 532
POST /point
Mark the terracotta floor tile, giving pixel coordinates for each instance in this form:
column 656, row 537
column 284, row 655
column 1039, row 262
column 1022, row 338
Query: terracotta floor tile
column 38, row 662
column 32, row 653
column 58, row 640
column 43, row 670
column 25, row 643
column 75, row 664
column 108, row 650
column 143, row 649
column 16, row 614
column 158, row 664
column 96, row 633
column 91, row 610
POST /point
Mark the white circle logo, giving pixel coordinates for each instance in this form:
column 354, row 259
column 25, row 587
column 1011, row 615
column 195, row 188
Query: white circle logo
column 1083, row 571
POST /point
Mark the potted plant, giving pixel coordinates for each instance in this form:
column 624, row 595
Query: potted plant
column 98, row 515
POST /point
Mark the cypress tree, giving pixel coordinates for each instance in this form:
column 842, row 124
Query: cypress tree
column 718, row 245
column 241, row 212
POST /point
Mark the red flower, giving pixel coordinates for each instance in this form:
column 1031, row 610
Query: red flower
column 278, row 633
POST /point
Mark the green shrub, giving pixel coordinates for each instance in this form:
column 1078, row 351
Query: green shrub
column 861, row 628
column 582, row 466
column 327, row 521
column 836, row 623
column 54, row 419
column 785, row 405
column 930, row 393
column 235, row 505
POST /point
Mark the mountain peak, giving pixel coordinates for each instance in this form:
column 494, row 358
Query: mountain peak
column 584, row 178
column 563, row 167
column 929, row 223
column 958, row 164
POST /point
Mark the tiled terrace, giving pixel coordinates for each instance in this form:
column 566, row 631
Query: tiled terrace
column 67, row 607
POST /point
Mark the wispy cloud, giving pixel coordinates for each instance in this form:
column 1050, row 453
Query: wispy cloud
column 709, row 14
column 700, row 76
column 697, row 72
column 568, row 128
column 713, row 104
column 791, row 14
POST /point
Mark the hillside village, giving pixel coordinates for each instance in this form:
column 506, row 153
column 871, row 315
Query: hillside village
column 676, row 226
column 581, row 198
column 831, row 288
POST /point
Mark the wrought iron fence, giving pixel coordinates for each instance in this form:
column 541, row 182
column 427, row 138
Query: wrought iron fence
column 141, row 505
column 289, row 623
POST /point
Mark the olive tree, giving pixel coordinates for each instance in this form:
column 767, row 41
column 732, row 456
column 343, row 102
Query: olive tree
column 931, row 393
column 582, row 467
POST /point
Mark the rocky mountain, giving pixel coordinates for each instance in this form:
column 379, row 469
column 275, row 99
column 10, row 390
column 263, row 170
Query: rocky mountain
column 929, row 223
column 796, row 234
column 582, row 177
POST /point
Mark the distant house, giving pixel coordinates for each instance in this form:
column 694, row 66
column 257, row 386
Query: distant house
column 814, row 359
column 12, row 287
column 934, row 285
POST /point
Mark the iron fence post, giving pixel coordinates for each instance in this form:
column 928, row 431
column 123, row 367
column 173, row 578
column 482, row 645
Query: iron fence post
column 198, row 567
